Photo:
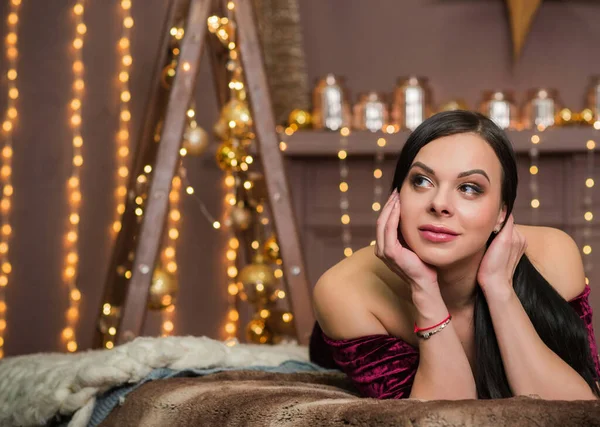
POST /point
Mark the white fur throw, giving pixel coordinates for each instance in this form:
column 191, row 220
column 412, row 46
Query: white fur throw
column 33, row 388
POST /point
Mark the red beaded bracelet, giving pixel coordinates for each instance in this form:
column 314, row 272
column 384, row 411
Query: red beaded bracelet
column 417, row 329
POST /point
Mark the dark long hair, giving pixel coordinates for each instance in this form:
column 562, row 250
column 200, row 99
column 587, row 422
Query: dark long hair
column 555, row 321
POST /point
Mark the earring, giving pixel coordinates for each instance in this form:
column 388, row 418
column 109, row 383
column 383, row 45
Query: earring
column 496, row 230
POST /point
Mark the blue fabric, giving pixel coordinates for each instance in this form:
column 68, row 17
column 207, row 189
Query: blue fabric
column 107, row 401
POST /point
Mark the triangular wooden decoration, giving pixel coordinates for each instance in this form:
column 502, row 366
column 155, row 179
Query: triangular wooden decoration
column 137, row 244
column 521, row 13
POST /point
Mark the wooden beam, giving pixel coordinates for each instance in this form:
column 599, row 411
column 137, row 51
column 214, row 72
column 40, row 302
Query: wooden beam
column 322, row 143
column 142, row 153
column 276, row 180
column 149, row 239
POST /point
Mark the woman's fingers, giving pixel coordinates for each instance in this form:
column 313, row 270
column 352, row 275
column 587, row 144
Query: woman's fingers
column 381, row 222
column 391, row 232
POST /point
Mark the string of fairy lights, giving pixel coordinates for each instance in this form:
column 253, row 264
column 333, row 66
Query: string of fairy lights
column 344, row 188
column 122, row 137
column 73, row 183
column 231, row 327
column 378, row 175
column 232, row 321
column 534, row 170
column 168, row 254
column 8, row 125
column 588, row 215
column 181, row 182
column 378, row 171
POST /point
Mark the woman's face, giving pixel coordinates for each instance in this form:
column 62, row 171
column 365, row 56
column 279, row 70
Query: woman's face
column 454, row 183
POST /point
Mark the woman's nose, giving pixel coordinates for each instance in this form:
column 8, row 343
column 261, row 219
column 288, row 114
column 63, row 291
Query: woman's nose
column 441, row 204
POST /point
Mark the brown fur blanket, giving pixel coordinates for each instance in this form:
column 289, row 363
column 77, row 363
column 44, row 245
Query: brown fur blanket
column 255, row 398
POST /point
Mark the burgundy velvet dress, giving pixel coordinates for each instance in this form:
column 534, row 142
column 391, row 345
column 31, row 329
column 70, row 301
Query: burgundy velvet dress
column 384, row 367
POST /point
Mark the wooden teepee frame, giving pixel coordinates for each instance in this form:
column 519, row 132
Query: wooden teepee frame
column 140, row 243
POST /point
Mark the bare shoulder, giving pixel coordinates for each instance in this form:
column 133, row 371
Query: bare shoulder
column 556, row 256
column 352, row 300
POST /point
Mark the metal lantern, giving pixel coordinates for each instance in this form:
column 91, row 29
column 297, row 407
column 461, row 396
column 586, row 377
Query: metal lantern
column 331, row 107
column 412, row 102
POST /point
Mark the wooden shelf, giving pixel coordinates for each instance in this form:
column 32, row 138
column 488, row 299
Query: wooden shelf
column 319, row 143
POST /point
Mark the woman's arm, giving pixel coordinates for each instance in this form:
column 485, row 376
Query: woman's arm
column 530, row 366
column 444, row 371
column 351, row 301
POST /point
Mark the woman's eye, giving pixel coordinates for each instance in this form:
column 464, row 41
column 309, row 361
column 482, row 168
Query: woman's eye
column 420, row 181
column 471, row 189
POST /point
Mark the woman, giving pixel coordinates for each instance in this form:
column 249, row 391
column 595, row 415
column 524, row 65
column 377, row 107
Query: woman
column 455, row 301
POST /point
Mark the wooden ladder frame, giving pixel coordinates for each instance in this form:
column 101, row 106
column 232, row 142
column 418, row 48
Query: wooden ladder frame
column 143, row 241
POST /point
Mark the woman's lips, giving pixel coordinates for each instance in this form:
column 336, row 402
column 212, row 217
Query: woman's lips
column 437, row 237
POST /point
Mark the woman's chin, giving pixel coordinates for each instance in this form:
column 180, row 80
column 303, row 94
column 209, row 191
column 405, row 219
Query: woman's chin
column 437, row 257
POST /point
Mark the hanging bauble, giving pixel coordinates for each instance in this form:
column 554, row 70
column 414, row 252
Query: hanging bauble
column 195, row 140
column 162, row 290
column 109, row 319
column 168, row 75
column 257, row 281
column 241, row 217
column 221, row 130
column 257, row 331
column 230, row 155
column 271, row 249
column 237, row 116
column 300, row 118
column 281, row 325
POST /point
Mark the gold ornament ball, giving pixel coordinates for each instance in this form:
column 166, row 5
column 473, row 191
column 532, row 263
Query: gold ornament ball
column 230, row 156
column 168, row 75
column 195, row 140
column 162, row 290
column 257, row 282
column 300, row 118
column 281, row 324
column 221, row 130
column 236, row 112
column 241, row 218
column 257, row 273
column 257, row 332
column 453, row 105
column 271, row 249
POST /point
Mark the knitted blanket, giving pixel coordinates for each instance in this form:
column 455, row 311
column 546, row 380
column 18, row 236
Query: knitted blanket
column 35, row 388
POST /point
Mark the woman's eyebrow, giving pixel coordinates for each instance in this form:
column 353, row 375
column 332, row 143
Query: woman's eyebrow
column 460, row 175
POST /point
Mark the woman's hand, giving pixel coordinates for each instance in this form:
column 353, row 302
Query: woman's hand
column 401, row 260
column 495, row 274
